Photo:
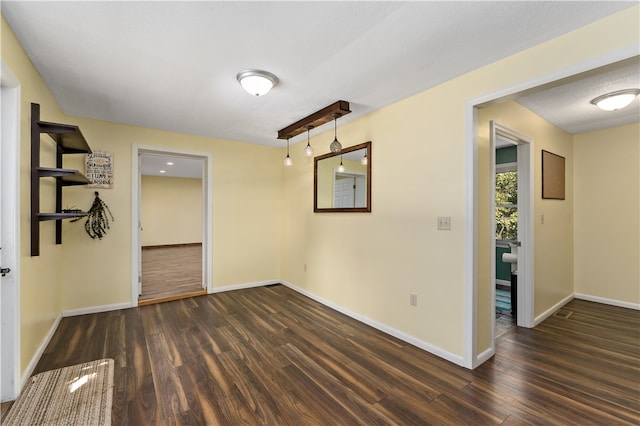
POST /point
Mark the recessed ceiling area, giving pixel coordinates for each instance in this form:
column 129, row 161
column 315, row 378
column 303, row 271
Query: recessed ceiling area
column 183, row 167
column 567, row 104
column 173, row 65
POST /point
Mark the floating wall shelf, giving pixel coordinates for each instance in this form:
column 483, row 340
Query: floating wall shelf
column 69, row 140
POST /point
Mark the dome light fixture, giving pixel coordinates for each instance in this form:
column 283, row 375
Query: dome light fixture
column 615, row 100
column 257, row 82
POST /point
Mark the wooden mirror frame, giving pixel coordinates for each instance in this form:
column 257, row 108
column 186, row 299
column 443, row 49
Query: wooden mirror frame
column 367, row 209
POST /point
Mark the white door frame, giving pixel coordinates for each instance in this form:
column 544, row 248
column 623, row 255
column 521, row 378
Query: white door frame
column 471, row 357
column 525, row 294
column 207, row 212
column 10, row 235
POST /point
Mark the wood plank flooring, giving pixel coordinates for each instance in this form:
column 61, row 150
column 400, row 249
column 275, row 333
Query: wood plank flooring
column 171, row 273
column 271, row 356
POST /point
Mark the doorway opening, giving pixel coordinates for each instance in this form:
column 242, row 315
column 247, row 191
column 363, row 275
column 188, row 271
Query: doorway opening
column 172, row 209
column 474, row 318
column 512, row 242
column 350, row 190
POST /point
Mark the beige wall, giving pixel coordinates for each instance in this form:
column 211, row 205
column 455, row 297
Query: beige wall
column 553, row 240
column 607, row 213
column 264, row 226
column 40, row 286
column 171, row 210
column 369, row 263
column 85, row 273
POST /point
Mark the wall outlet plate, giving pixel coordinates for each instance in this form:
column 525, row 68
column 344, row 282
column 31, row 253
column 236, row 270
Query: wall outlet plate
column 444, row 223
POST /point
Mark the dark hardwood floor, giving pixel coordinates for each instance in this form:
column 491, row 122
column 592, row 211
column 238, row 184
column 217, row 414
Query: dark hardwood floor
column 171, row 273
column 269, row 355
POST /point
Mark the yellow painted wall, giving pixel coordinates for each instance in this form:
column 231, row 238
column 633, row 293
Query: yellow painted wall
column 607, row 213
column 553, row 240
column 40, row 288
column 83, row 273
column 264, row 225
column 369, row 263
column 171, row 210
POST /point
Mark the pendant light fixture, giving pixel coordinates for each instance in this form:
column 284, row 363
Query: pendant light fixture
column 308, row 151
column 287, row 160
column 335, row 146
column 341, row 166
column 615, row 100
column 364, row 160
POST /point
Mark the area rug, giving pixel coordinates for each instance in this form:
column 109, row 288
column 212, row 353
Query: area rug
column 78, row 395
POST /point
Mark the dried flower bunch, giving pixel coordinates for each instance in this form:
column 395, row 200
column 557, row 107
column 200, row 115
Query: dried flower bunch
column 97, row 222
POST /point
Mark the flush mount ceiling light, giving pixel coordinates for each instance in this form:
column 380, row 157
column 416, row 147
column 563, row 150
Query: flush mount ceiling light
column 615, row 100
column 256, row 82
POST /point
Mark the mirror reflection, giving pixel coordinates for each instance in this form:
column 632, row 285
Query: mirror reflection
column 343, row 180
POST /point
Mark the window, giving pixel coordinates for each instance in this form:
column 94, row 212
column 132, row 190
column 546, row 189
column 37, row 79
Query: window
column 506, row 202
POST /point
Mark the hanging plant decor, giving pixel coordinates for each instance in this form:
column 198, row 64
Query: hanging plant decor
column 97, row 222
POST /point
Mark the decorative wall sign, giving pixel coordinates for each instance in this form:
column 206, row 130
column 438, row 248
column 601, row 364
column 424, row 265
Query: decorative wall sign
column 552, row 176
column 99, row 170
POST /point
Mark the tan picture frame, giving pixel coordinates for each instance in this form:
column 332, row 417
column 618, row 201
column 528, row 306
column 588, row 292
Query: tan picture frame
column 553, row 176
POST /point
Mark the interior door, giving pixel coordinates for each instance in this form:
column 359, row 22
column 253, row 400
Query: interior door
column 9, row 238
column 139, row 248
column 344, row 194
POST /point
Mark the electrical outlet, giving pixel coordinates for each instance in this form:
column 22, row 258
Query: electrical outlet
column 444, row 223
column 413, row 299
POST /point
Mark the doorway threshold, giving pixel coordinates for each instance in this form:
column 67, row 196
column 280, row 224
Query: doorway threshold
column 171, row 298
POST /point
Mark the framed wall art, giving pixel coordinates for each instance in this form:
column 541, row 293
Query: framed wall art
column 553, row 181
column 99, row 170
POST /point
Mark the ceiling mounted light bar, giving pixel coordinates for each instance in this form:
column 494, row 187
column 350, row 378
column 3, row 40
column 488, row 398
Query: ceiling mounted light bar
column 316, row 119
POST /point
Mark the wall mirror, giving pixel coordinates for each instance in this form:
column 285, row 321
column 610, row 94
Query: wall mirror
column 342, row 180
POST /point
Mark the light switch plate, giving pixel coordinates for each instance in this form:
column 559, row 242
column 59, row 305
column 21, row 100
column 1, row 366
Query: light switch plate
column 444, row 223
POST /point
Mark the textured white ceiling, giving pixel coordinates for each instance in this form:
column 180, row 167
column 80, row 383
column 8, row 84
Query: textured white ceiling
column 172, row 65
column 569, row 106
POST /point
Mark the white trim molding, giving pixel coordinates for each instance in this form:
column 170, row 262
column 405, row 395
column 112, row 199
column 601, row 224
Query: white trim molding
column 606, row 301
column 97, row 309
column 243, row 286
column 552, row 310
column 456, row 359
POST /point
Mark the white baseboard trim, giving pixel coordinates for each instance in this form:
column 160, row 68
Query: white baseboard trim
column 606, row 301
column 95, row 309
column 38, row 354
column 243, row 286
column 484, row 356
column 546, row 314
column 382, row 327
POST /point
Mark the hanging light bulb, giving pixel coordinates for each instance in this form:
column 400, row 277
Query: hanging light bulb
column 341, row 166
column 335, row 146
column 287, row 160
column 308, row 151
column 364, row 160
